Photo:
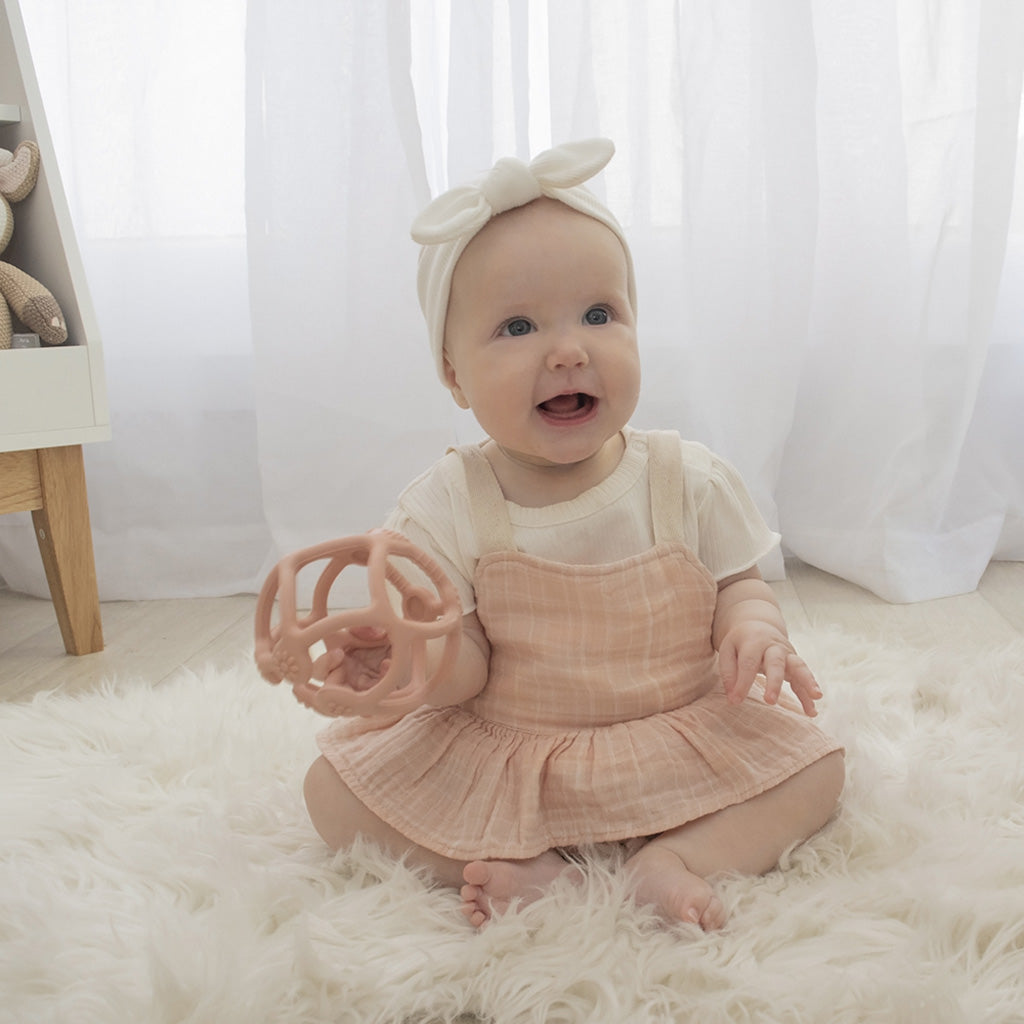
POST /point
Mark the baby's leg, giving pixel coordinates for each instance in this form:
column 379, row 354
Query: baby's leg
column 490, row 886
column 672, row 871
column 340, row 817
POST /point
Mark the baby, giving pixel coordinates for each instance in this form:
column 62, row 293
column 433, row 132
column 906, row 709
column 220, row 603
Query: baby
column 622, row 661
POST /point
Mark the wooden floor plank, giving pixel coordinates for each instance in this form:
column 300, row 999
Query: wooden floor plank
column 832, row 602
column 21, row 616
column 232, row 644
column 149, row 640
column 793, row 610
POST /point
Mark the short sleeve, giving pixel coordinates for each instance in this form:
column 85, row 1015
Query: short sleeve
column 432, row 513
column 732, row 533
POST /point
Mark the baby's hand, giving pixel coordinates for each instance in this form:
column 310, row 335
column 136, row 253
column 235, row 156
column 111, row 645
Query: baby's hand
column 754, row 647
column 358, row 660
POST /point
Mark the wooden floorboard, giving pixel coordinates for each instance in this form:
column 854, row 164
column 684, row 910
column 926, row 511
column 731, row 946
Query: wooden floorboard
column 830, row 602
column 148, row 640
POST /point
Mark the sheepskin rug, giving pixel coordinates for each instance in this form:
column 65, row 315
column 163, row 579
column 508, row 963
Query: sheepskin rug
column 156, row 865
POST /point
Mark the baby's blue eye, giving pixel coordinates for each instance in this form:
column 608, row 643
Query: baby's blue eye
column 517, row 328
column 596, row 317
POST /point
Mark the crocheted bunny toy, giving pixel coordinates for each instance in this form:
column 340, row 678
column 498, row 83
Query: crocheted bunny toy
column 20, row 294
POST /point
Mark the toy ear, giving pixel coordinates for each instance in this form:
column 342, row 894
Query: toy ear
column 19, row 174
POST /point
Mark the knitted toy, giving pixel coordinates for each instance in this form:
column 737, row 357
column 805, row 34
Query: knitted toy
column 29, row 301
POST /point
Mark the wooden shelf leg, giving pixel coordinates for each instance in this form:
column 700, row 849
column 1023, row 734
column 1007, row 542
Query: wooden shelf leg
column 65, row 542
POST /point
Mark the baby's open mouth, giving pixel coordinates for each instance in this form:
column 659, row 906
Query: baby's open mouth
column 567, row 407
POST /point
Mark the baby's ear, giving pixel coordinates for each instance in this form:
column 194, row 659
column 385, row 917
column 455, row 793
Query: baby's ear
column 452, row 381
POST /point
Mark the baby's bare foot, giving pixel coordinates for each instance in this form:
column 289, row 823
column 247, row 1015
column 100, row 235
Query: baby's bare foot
column 492, row 885
column 660, row 878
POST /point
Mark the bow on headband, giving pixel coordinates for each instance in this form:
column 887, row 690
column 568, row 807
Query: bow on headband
column 510, row 183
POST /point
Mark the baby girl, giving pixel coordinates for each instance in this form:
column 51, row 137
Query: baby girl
column 622, row 662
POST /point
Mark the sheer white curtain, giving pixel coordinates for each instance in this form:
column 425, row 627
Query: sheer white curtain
column 904, row 469
column 821, row 203
column 348, row 410
column 146, row 106
column 825, row 205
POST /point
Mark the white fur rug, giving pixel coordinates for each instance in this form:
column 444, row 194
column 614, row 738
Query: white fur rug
column 156, row 865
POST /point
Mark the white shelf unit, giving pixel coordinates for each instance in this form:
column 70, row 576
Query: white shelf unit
column 48, row 396
column 52, row 399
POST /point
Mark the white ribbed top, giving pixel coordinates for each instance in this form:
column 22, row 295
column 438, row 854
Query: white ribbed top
column 609, row 522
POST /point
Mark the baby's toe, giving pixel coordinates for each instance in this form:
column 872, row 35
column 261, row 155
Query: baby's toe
column 473, row 905
column 713, row 916
column 477, row 873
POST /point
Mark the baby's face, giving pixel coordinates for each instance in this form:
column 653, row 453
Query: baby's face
column 540, row 340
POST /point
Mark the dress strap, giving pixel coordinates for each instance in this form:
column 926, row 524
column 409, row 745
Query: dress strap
column 665, row 469
column 487, row 505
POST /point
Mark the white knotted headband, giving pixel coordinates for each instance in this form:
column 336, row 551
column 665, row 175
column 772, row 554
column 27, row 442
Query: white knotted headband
column 448, row 224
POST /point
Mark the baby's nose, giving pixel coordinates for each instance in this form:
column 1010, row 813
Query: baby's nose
column 568, row 350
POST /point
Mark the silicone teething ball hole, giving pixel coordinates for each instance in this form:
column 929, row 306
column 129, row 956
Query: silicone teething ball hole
column 317, row 651
column 349, row 592
column 349, row 589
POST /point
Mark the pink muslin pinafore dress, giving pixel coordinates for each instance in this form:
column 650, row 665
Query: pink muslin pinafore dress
column 603, row 717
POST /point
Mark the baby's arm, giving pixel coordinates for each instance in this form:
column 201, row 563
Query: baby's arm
column 361, row 667
column 750, row 636
column 469, row 675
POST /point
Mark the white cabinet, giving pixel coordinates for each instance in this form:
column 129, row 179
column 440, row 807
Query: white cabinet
column 52, row 400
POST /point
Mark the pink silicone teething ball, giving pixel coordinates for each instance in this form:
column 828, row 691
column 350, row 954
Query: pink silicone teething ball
column 283, row 648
